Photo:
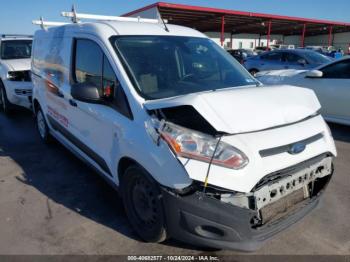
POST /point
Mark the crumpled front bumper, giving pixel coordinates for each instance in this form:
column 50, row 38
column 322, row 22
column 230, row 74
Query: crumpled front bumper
column 203, row 220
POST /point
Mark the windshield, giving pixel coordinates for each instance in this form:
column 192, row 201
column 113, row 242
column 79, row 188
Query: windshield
column 316, row 58
column 166, row 66
column 16, row 49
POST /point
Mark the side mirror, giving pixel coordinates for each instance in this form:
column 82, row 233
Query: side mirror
column 86, row 93
column 302, row 62
column 314, row 74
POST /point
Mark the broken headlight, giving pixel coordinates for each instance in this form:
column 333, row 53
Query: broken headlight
column 20, row 76
column 195, row 145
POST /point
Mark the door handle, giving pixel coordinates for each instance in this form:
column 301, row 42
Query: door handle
column 73, row 103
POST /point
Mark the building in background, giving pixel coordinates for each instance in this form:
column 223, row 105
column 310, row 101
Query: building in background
column 237, row 29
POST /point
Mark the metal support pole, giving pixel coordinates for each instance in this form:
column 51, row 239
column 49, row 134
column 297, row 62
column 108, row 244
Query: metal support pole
column 231, row 40
column 303, row 36
column 330, row 36
column 222, row 37
column 268, row 36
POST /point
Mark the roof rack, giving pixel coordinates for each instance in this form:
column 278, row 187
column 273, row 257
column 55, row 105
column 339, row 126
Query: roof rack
column 15, row 36
column 76, row 17
column 44, row 24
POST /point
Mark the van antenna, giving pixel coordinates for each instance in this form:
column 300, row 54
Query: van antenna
column 210, row 163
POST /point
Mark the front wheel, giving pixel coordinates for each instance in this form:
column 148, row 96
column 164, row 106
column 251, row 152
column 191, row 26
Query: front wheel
column 143, row 204
column 4, row 102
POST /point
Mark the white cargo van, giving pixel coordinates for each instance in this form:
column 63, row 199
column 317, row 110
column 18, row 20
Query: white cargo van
column 198, row 149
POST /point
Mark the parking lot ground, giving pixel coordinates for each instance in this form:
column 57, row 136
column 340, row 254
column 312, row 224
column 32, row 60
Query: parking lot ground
column 51, row 203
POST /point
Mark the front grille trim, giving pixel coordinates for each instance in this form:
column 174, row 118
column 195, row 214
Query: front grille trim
column 285, row 148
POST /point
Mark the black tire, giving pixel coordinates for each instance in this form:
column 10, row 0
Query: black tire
column 42, row 126
column 253, row 72
column 5, row 104
column 143, row 204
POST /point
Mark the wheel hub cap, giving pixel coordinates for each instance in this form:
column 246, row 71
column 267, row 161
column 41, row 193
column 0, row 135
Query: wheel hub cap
column 144, row 202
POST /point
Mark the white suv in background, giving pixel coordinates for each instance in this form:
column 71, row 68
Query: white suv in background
column 198, row 149
column 15, row 80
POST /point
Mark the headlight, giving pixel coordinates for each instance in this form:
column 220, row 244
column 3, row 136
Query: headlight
column 18, row 76
column 195, row 145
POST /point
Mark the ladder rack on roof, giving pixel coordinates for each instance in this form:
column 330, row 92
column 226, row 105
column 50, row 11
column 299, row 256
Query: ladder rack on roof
column 44, row 24
column 76, row 17
column 79, row 16
column 15, row 36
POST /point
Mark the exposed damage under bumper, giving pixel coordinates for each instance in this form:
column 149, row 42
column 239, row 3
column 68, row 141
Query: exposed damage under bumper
column 243, row 221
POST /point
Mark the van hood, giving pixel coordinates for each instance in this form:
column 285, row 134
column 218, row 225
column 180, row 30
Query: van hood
column 17, row 64
column 248, row 109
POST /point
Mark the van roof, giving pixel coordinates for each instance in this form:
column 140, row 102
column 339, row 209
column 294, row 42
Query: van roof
column 108, row 28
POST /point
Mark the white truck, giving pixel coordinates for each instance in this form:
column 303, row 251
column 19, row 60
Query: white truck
column 15, row 82
column 198, row 149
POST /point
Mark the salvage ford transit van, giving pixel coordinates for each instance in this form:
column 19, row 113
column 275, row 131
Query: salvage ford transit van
column 199, row 150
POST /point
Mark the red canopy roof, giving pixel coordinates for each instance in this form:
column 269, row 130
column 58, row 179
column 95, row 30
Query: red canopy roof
column 209, row 19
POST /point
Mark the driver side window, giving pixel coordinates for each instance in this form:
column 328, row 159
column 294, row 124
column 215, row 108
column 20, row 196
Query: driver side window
column 272, row 56
column 340, row 70
column 91, row 67
column 88, row 63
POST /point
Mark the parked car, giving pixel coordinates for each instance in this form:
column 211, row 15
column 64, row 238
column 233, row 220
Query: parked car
column 241, row 54
column 320, row 49
column 285, row 59
column 282, row 46
column 331, row 83
column 262, row 49
column 197, row 148
column 15, row 83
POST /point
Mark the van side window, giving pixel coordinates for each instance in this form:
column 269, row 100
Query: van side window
column 88, row 61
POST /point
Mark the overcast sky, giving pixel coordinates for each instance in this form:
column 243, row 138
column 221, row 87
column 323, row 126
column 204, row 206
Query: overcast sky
column 17, row 15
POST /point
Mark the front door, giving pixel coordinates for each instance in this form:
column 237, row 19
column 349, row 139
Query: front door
column 96, row 128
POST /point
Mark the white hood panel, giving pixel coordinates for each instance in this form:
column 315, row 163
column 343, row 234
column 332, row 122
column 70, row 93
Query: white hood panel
column 17, row 64
column 247, row 109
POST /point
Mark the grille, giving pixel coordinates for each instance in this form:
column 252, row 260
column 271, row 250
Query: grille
column 23, row 92
column 288, row 171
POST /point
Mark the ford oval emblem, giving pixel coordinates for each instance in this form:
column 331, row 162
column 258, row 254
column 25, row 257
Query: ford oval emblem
column 296, row 148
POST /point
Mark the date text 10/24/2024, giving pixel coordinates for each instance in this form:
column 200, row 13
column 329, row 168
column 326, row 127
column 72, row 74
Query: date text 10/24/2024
column 173, row 258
